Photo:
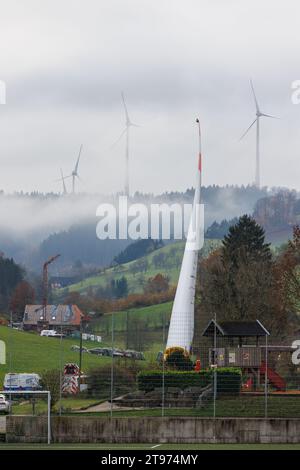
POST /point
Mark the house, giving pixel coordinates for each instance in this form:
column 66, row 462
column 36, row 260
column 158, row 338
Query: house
column 68, row 317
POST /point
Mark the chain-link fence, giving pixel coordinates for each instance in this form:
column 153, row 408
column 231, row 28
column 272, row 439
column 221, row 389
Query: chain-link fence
column 124, row 372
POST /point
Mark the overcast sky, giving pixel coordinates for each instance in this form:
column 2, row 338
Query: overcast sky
column 65, row 63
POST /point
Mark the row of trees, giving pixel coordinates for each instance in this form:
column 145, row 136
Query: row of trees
column 156, row 290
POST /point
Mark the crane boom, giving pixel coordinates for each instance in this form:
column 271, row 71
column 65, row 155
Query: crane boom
column 45, row 283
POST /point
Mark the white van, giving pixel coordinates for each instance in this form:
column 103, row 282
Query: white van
column 51, row 334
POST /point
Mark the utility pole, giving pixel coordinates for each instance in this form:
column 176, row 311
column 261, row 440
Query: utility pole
column 80, row 352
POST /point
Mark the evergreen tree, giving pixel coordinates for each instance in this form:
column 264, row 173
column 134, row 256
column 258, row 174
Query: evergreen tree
column 11, row 274
column 246, row 239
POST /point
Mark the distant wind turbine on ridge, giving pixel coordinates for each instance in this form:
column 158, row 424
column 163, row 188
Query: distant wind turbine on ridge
column 128, row 124
column 62, row 179
column 63, row 182
column 75, row 174
column 259, row 114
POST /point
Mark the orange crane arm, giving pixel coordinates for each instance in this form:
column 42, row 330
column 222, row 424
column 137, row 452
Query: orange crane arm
column 45, row 283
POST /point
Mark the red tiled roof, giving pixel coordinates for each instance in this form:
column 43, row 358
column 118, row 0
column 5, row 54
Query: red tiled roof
column 55, row 314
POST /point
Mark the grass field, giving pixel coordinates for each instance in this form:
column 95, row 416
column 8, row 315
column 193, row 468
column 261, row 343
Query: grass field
column 150, row 448
column 153, row 316
column 29, row 352
column 173, row 255
column 137, row 278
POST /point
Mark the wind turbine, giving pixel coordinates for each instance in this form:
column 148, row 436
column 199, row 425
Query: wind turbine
column 259, row 114
column 62, row 179
column 128, row 124
column 63, row 182
column 75, row 174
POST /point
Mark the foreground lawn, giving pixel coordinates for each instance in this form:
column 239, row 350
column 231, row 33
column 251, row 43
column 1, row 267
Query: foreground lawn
column 67, row 405
column 243, row 406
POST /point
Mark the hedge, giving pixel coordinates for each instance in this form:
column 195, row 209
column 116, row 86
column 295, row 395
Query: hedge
column 228, row 380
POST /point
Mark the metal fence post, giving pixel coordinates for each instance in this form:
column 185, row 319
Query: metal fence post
column 266, row 376
column 163, row 371
column 49, row 418
column 112, row 375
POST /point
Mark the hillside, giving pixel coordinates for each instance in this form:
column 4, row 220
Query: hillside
column 166, row 260
column 29, row 352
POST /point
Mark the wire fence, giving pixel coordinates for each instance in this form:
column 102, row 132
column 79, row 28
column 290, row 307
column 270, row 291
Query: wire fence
column 128, row 374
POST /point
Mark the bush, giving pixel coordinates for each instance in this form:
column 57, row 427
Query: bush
column 99, row 381
column 51, row 380
column 180, row 361
column 228, row 380
column 150, row 380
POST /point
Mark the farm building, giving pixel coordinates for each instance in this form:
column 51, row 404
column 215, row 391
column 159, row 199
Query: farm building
column 67, row 316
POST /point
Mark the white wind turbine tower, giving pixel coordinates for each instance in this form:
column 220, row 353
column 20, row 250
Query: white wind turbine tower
column 128, row 124
column 259, row 114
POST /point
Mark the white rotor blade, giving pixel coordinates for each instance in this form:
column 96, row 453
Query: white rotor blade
column 269, row 116
column 77, row 163
column 62, row 178
column 80, row 179
column 63, row 181
column 254, row 96
column 248, row 129
column 125, row 107
column 119, row 138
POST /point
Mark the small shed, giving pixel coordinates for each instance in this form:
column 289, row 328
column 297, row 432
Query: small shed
column 239, row 345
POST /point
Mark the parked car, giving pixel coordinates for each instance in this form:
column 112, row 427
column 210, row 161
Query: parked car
column 77, row 348
column 51, row 334
column 4, row 405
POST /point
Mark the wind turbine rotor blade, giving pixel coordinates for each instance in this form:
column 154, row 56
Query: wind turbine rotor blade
column 81, row 180
column 63, row 182
column 254, row 96
column 119, row 138
column 62, row 178
column 269, row 116
column 77, row 163
column 248, row 129
column 65, row 177
column 125, row 107
column 134, row 125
